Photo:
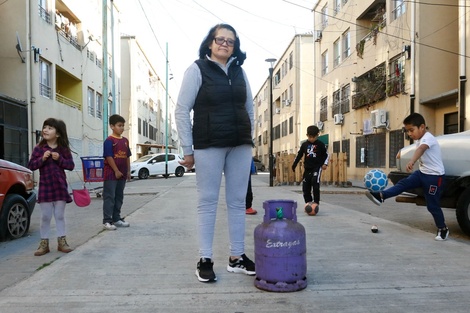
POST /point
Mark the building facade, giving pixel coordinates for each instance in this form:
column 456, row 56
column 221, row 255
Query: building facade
column 145, row 103
column 58, row 62
column 378, row 61
column 293, row 110
column 53, row 66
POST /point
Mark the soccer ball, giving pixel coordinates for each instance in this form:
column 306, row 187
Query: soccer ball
column 311, row 208
column 375, row 180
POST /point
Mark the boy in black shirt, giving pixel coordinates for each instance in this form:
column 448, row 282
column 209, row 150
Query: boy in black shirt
column 315, row 160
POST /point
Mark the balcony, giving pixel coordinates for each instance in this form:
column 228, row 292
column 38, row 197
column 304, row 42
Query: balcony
column 71, row 103
column 370, row 87
column 395, row 86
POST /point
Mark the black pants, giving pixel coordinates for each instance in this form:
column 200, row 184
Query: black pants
column 311, row 181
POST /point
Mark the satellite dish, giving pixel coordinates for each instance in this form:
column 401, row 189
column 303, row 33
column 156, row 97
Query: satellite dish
column 19, row 49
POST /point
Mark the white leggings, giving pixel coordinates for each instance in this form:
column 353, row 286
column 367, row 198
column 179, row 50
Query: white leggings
column 234, row 162
column 56, row 208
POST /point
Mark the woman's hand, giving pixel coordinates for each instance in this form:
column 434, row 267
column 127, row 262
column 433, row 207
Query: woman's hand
column 188, row 161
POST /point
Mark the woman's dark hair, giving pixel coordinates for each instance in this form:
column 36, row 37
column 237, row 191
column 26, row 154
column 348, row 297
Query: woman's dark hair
column 204, row 48
column 61, row 129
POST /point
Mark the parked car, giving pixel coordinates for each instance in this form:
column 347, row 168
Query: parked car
column 455, row 149
column 154, row 164
column 17, row 200
column 259, row 165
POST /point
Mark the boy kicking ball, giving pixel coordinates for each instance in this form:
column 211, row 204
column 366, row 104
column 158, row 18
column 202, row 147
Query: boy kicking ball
column 430, row 175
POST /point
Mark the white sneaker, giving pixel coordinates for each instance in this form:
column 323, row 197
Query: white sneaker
column 121, row 223
column 108, row 226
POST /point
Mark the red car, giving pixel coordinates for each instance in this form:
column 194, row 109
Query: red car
column 17, row 199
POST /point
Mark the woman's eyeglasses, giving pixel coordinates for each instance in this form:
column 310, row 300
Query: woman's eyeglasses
column 221, row 40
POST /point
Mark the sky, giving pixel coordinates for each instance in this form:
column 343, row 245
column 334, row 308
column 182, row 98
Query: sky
column 265, row 29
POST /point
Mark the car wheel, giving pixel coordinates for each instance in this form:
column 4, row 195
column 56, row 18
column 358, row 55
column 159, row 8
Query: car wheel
column 143, row 173
column 15, row 219
column 463, row 211
column 179, row 172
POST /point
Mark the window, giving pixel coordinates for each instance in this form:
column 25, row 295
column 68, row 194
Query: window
column 324, row 109
column 44, row 11
column 284, row 98
column 397, row 142
column 291, row 93
column 324, row 17
column 291, row 125
column 336, row 103
column 99, row 106
column 370, row 150
column 336, row 6
column 346, row 44
column 324, row 63
column 91, row 101
column 277, row 132
column 345, row 148
column 139, row 126
column 291, row 60
column 345, row 93
column 451, row 123
column 45, row 79
column 398, row 8
column 376, row 150
column 336, row 146
column 395, row 84
column 336, row 53
column 284, row 128
column 277, row 78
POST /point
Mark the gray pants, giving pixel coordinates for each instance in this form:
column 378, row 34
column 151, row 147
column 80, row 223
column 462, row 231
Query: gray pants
column 234, row 162
column 113, row 196
column 49, row 209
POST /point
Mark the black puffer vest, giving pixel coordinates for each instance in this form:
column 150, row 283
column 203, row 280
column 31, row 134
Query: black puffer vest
column 220, row 117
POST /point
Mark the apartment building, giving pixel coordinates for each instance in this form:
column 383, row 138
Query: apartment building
column 292, row 92
column 52, row 66
column 378, row 61
column 147, row 108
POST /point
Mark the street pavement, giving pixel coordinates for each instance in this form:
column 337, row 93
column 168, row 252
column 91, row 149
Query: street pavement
column 149, row 267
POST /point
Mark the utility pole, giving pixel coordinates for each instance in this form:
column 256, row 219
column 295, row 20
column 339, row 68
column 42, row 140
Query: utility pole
column 105, row 68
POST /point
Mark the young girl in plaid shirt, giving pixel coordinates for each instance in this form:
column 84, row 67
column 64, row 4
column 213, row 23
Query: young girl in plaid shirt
column 52, row 156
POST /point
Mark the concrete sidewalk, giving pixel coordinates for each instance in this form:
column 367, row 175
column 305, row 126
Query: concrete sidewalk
column 149, row 267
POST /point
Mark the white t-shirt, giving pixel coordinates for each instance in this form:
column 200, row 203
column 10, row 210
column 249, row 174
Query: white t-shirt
column 431, row 161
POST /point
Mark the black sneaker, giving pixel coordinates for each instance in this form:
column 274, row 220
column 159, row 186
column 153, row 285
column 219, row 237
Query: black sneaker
column 242, row 265
column 442, row 234
column 375, row 197
column 204, row 271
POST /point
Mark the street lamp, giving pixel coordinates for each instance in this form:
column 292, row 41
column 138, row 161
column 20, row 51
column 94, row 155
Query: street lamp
column 271, row 156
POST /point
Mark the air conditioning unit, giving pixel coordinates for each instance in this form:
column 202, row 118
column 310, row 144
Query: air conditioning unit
column 378, row 118
column 338, row 119
column 278, row 110
column 320, row 125
column 287, row 102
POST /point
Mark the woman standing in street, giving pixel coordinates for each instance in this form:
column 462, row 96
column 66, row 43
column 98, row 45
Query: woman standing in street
column 216, row 89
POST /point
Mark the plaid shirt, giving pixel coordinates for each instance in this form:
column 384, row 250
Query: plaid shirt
column 52, row 179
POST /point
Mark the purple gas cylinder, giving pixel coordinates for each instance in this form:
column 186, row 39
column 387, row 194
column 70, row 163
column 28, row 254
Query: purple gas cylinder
column 280, row 248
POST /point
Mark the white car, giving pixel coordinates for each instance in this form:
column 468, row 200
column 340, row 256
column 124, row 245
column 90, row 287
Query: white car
column 154, row 164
